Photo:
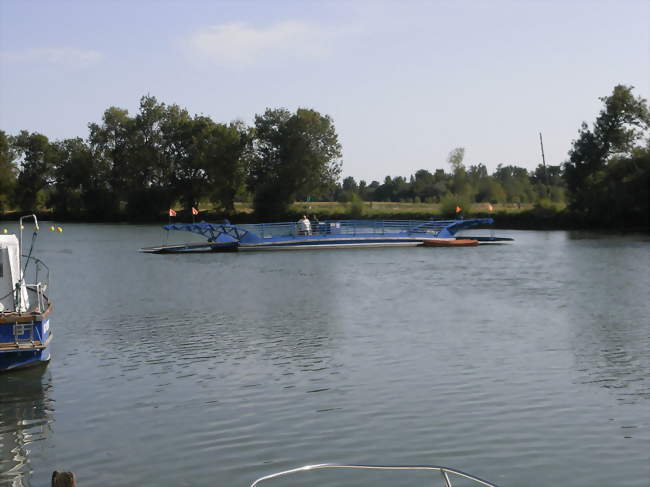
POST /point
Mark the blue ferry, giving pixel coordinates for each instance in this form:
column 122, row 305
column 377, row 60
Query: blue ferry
column 25, row 309
column 225, row 237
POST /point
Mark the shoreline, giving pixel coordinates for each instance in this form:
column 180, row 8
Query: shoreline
column 529, row 219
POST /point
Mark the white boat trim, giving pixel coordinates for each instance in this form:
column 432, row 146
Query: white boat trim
column 444, row 471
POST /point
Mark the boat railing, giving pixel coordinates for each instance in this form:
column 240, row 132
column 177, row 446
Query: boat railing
column 446, row 473
column 39, row 275
column 349, row 227
column 38, row 292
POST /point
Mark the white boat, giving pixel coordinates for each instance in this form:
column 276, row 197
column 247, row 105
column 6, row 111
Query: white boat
column 25, row 309
column 447, row 474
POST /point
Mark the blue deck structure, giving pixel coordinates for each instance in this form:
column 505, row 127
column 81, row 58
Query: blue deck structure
column 327, row 234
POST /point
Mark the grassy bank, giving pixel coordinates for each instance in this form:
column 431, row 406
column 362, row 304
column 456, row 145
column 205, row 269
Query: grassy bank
column 387, row 209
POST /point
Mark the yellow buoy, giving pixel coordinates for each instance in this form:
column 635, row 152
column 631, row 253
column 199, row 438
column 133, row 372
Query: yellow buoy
column 4, row 231
column 52, row 228
column 59, row 229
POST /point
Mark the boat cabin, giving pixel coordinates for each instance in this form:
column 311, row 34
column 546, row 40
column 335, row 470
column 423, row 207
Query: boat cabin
column 13, row 292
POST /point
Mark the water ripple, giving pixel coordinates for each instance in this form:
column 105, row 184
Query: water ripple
column 517, row 362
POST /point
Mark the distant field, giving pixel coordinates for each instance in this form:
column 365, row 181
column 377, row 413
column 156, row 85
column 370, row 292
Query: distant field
column 382, row 208
column 332, row 209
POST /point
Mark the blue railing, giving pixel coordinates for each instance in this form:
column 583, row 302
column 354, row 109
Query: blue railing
column 226, row 232
column 350, row 227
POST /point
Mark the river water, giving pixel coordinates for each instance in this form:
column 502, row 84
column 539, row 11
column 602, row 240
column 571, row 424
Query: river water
column 525, row 364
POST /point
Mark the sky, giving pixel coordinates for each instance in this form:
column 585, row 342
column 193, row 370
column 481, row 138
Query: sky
column 404, row 82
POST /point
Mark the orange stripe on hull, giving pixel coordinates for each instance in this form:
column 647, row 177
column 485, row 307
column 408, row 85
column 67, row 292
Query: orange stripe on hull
column 439, row 242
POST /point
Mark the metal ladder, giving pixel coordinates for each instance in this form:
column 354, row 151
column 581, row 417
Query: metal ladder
column 21, row 329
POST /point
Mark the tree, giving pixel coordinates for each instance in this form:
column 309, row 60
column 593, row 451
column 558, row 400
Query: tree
column 226, row 161
column 7, row 172
column 455, row 159
column 548, row 175
column 627, row 187
column 515, row 181
column 163, row 155
column 294, row 154
column 35, row 170
column 149, row 169
column 110, row 144
column 184, row 141
column 460, row 184
column 348, row 188
column 72, row 174
column 349, row 184
column 385, row 191
column 491, row 191
column 363, row 190
column 621, row 123
column 370, row 192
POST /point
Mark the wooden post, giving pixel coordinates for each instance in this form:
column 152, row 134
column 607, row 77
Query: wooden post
column 63, row 479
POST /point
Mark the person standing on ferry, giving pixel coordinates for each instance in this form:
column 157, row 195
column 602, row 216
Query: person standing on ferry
column 304, row 226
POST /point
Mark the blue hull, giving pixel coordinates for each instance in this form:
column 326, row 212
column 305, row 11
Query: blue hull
column 30, row 349
column 10, row 361
column 332, row 242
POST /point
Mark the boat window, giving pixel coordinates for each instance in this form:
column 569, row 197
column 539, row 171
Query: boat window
column 1, row 271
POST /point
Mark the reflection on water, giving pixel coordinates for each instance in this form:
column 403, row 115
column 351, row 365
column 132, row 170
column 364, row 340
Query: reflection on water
column 515, row 363
column 171, row 343
column 26, row 412
column 608, row 282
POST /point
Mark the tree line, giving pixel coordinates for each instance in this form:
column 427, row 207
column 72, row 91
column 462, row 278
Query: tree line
column 608, row 171
column 139, row 166
column 466, row 185
column 135, row 167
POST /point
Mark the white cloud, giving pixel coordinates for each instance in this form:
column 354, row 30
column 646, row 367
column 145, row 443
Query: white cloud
column 242, row 45
column 60, row 56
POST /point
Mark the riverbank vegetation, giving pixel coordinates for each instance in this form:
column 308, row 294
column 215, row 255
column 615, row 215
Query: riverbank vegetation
column 287, row 163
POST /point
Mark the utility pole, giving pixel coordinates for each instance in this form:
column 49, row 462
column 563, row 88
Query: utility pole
column 541, row 143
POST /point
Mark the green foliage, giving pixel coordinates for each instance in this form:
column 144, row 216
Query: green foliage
column 355, row 206
column 557, row 194
column 491, row 191
column 455, row 159
column 226, row 149
column 36, row 168
column 607, row 173
column 294, row 155
column 136, row 166
column 449, row 203
column 516, row 183
column 8, row 172
column 162, row 155
column 73, row 172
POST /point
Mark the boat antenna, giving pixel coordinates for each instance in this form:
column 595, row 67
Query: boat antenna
column 21, row 281
column 20, row 238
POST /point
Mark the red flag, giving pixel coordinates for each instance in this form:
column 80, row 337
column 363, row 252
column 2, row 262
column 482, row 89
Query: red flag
column 490, row 209
column 195, row 211
column 458, row 209
column 172, row 212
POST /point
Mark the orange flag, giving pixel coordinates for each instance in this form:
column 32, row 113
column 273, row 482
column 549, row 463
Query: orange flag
column 458, row 209
column 195, row 211
column 172, row 212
